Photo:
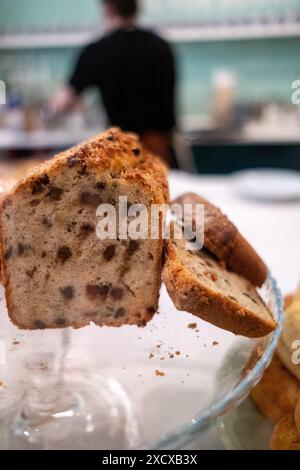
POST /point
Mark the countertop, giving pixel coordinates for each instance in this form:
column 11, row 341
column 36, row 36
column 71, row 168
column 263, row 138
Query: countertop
column 196, row 136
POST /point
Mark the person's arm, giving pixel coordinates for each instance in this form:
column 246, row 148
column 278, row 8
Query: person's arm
column 63, row 100
column 84, row 76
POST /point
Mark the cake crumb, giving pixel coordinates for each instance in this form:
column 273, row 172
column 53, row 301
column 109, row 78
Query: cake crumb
column 177, row 353
column 158, row 373
column 151, row 355
column 171, row 356
column 16, row 343
column 215, row 343
column 192, row 326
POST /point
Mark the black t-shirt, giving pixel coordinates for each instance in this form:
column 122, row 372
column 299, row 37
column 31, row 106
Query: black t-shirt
column 135, row 73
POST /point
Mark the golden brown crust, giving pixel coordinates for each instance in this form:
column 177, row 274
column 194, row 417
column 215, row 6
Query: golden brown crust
column 223, row 240
column 117, row 154
column 277, row 393
column 194, row 296
column 285, row 435
column 113, row 151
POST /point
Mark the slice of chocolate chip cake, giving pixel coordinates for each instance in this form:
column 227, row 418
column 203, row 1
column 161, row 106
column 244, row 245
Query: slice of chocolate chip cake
column 56, row 270
column 197, row 283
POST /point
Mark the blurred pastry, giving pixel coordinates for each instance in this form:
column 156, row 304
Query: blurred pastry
column 285, row 434
column 277, row 393
column 287, row 348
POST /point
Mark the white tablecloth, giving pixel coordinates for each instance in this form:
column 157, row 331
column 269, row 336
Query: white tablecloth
column 272, row 228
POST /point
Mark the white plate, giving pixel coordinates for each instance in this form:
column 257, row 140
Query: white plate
column 268, row 184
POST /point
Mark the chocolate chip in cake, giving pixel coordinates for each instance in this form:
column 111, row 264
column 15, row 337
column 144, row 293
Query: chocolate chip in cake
column 64, row 253
column 44, row 254
column 151, row 309
column 100, row 291
column 8, row 253
column 21, row 249
column 121, row 312
column 90, row 199
column 136, row 152
column 67, row 292
column 47, row 222
column 150, row 256
column 55, row 193
column 60, row 321
column 117, row 293
column 44, row 180
column 133, row 247
column 101, row 185
column 40, row 325
column 111, row 138
column 87, row 228
column 71, row 225
column 38, row 185
column 30, row 273
column 109, row 252
column 37, row 188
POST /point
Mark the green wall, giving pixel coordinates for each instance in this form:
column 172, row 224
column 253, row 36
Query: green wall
column 60, row 12
column 40, row 13
column 265, row 69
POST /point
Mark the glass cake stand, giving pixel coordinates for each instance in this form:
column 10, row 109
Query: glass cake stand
column 158, row 387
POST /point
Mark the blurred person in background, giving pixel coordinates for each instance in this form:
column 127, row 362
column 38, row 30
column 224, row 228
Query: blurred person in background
column 134, row 70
